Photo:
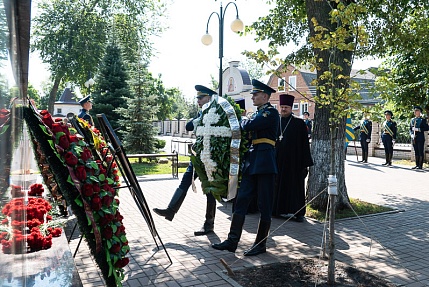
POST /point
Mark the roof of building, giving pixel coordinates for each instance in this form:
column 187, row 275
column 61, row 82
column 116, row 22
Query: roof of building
column 245, row 76
column 68, row 97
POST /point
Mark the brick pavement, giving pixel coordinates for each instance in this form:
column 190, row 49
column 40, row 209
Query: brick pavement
column 392, row 245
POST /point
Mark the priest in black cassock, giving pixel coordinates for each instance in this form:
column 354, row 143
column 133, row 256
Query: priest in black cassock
column 293, row 160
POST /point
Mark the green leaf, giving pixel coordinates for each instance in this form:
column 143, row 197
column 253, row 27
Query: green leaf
column 123, row 238
column 102, row 177
column 43, row 127
column 79, row 202
column 110, row 181
column 4, row 129
column 94, row 165
column 114, row 228
column 109, row 244
column 94, row 178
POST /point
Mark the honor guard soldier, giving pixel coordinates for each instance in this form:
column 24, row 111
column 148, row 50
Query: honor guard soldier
column 308, row 123
column 86, row 107
column 365, row 130
column 204, row 96
column 418, row 125
column 260, row 169
column 388, row 136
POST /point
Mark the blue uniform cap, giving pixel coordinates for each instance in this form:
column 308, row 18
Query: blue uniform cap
column 388, row 112
column 84, row 100
column 261, row 87
column 203, row 91
column 418, row 108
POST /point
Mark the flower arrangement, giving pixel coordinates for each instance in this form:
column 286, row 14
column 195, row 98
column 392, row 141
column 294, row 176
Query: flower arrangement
column 212, row 148
column 14, row 227
column 88, row 179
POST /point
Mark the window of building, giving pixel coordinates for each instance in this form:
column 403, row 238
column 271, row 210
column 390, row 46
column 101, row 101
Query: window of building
column 304, row 108
column 281, row 84
column 59, row 111
column 292, row 83
column 295, row 106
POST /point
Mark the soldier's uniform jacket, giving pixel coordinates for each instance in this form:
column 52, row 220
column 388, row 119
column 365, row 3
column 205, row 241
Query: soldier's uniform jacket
column 365, row 129
column 190, row 125
column 309, row 126
column 263, row 127
column 417, row 128
column 87, row 117
column 389, row 127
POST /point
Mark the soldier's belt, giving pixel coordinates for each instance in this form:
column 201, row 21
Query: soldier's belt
column 264, row 140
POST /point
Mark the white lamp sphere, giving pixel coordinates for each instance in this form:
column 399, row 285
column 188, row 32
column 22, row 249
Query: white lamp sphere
column 206, row 39
column 237, row 25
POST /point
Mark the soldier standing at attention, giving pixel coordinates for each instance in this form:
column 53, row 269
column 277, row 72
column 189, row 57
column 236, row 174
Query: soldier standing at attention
column 365, row 130
column 308, row 123
column 86, row 107
column 260, row 169
column 417, row 127
column 388, row 136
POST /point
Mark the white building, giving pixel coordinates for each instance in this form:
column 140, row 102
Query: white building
column 67, row 105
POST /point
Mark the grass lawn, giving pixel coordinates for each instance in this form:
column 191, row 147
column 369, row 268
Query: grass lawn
column 360, row 207
column 152, row 167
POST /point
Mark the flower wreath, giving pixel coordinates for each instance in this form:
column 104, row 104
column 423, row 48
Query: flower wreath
column 88, row 179
column 211, row 156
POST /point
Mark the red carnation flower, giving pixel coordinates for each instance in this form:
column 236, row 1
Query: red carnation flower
column 122, row 263
column 70, row 159
column 107, row 200
column 96, row 187
column 73, row 139
column 47, row 120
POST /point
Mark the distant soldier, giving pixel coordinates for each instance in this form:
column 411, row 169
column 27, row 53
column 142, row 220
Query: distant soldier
column 418, row 125
column 86, row 107
column 365, row 130
column 388, row 136
column 308, row 123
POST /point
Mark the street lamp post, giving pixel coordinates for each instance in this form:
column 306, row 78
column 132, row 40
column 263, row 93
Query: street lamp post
column 236, row 26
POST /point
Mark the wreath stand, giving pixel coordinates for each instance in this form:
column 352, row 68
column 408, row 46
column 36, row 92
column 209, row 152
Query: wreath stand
column 119, row 157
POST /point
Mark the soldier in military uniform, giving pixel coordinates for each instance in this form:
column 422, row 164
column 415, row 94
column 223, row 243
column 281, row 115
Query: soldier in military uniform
column 308, row 123
column 365, row 130
column 260, row 169
column 204, row 95
column 86, row 107
column 418, row 125
column 388, row 136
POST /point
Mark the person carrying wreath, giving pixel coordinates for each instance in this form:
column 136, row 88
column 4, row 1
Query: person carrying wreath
column 260, row 169
column 204, row 96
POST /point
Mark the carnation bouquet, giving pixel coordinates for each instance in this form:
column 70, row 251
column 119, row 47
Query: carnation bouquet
column 87, row 177
column 219, row 146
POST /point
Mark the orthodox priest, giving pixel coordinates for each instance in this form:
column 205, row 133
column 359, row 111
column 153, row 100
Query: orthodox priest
column 293, row 160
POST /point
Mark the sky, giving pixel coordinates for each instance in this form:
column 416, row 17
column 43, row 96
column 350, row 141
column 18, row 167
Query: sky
column 181, row 59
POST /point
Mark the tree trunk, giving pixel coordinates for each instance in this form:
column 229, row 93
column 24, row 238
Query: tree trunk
column 53, row 95
column 321, row 143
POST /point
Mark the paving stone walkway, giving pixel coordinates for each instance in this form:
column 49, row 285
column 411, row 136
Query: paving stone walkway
column 392, row 245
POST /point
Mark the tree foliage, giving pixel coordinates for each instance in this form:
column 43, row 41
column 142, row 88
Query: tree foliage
column 111, row 89
column 139, row 132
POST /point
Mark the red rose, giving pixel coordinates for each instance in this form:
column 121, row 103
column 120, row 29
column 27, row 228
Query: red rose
column 86, row 154
column 96, row 203
column 44, row 112
column 70, row 159
column 65, row 129
column 120, row 230
column 108, row 232
column 47, row 120
column 87, row 189
column 64, row 142
column 122, row 263
column 107, row 200
column 80, row 173
column 115, row 248
column 58, row 120
column 73, row 139
column 56, row 128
